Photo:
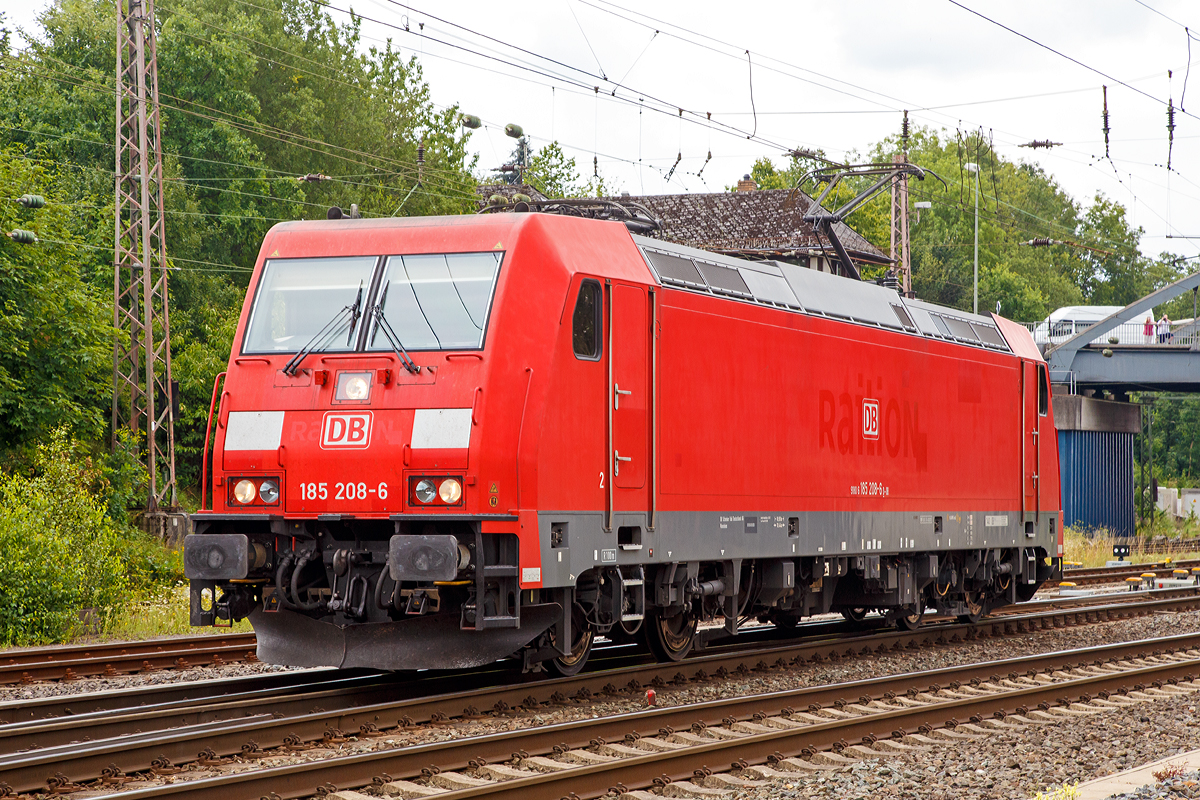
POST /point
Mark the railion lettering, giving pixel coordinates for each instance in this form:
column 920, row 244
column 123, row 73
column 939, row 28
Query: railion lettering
column 871, row 426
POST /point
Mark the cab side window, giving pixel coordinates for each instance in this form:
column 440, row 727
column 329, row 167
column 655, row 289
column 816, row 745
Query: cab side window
column 586, row 324
column 1043, row 391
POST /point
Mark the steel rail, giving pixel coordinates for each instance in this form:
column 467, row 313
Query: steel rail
column 185, row 694
column 180, row 694
column 114, row 658
column 136, row 752
column 590, row 781
column 136, row 703
column 1116, row 574
column 299, row 699
column 1070, row 572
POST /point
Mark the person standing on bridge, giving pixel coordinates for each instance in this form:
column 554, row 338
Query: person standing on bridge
column 1164, row 330
column 1148, row 329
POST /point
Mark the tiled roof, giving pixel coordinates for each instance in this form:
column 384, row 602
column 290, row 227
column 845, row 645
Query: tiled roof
column 765, row 222
column 768, row 221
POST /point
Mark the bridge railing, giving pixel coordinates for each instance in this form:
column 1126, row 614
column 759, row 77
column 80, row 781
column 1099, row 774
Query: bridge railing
column 1184, row 333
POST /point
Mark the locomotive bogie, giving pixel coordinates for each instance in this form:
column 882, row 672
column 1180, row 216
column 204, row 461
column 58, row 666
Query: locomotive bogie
column 526, row 432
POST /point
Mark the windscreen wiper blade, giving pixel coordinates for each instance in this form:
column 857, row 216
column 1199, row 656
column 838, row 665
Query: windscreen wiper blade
column 321, row 338
column 381, row 324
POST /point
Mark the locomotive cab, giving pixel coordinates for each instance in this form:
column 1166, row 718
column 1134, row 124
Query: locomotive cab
column 348, row 519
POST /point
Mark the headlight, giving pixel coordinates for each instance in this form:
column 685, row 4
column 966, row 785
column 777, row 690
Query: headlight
column 244, row 491
column 450, row 491
column 268, row 492
column 353, row 386
column 425, row 491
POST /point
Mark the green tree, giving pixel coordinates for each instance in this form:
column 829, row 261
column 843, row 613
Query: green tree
column 55, row 342
column 553, row 173
column 254, row 96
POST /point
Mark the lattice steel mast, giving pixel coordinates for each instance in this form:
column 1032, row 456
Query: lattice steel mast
column 899, row 217
column 143, row 392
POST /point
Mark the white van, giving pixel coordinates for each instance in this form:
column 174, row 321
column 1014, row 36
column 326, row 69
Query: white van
column 1067, row 321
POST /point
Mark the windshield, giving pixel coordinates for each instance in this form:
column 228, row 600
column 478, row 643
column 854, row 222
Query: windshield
column 297, row 296
column 438, row 302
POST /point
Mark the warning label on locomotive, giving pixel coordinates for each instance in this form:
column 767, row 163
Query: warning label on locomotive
column 868, row 489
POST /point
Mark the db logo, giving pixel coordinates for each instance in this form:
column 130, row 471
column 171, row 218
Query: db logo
column 348, row 430
column 870, row 419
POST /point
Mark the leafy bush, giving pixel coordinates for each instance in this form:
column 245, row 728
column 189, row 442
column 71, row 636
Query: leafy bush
column 1068, row 791
column 59, row 552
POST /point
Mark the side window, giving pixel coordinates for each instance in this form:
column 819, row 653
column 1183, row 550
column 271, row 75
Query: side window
column 585, row 323
column 1043, row 391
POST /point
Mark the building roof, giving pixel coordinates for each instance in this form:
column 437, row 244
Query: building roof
column 766, row 223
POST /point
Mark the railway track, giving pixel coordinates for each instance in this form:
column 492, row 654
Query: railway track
column 120, row 658
column 1092, row 576
column 97, row 746
column 797, row 730
column 182, row 695
column 31, row 665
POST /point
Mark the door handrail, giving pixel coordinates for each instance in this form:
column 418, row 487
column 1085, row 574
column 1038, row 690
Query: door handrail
column 207, row 433
column 608, row 497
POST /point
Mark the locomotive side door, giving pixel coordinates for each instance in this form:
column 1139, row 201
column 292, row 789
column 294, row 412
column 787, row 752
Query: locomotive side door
column 1032, row 407
column 629, row 402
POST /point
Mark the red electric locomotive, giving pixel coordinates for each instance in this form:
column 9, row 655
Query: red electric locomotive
column 444, row 441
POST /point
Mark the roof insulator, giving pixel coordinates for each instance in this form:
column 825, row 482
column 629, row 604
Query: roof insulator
column 32, row 200
column 497, row 200
column 522, row 198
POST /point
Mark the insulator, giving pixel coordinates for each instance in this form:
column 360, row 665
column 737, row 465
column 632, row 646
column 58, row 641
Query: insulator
column 32, row 200
column 23, row 237
column 1171, row 116
column 470, row 121
column 514, row 131
column 421, row 152
column 1106, row 128
column 904, row 127
column 595, row 167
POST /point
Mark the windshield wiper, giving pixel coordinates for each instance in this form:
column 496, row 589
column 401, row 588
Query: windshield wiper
column 381, row 324
column 321, row 338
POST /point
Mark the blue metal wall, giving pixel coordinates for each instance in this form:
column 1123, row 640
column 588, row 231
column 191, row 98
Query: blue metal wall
column 1096, row 468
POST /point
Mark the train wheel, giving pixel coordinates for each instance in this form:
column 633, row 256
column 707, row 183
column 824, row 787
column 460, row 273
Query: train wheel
column 913, row 620
column 785, row 622
column 671, row 638
column 854, row 614
column 581, row 648
column 974, row 603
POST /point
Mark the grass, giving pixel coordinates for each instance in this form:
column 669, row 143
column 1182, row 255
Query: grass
column 1067, row 791
column 1095, row 548
column 152, row 617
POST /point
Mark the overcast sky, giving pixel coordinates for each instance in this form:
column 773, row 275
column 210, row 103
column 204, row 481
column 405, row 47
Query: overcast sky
column 833, row 76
